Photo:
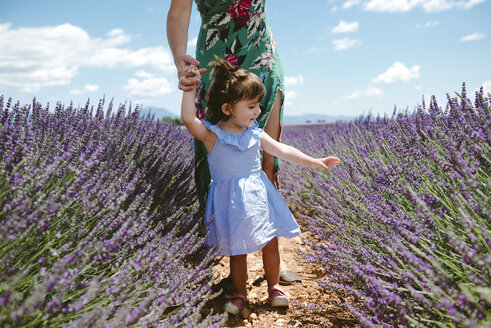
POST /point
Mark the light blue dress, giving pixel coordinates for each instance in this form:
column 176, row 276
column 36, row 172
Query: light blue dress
column 244, row 211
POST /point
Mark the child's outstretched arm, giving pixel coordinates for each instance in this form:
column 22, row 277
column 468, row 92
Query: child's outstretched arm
column 292, row 154
column 188, row 113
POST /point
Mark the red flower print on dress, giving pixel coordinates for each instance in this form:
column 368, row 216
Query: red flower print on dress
column 232, row 59
column 239, row 11
column 266, row 59
column 276, row 179
column 200, row 113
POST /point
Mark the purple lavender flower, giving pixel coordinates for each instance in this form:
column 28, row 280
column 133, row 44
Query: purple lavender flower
column 98, row 219
column 405, row 217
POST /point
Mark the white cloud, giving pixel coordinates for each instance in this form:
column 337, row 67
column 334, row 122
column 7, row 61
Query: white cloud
column 193, row 42
column 486, row 86
column 289, row 96
column 33, row 58
column 87, row 88
column 350, row 3
column 291, row 81
column 428, row 24
column 437, row 5
column 441, row 5
column 117, row 36
column 345, row 27
column 149, row 86
column 369, row 91
column 391, row 5
column 345, row 43
column 156, row 57
column 470, row 4
column 398, row 72
column 472, row 37
column 143, row 74
column 427, row 5
column 91, row 87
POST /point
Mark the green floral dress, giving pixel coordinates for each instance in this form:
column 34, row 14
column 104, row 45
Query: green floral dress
column 239, row 31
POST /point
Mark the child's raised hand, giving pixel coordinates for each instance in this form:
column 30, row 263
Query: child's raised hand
column 192, row 72
column 328, row 162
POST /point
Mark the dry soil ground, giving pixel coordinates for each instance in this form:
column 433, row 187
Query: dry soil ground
column 260, row 314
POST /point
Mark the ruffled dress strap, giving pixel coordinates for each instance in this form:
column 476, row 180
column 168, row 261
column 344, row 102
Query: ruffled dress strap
column 242, row 141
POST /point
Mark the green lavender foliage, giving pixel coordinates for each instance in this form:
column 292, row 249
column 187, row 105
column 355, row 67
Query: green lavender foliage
column 405, row 220
column 98, row 220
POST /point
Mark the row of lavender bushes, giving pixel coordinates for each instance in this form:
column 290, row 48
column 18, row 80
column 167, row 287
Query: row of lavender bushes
column 405, row 220
column 97, row 224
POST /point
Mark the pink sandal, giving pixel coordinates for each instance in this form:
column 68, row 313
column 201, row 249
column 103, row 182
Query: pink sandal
column 233, row 307
column 278, row 297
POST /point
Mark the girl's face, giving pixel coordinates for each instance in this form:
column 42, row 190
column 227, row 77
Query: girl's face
column 243, row 113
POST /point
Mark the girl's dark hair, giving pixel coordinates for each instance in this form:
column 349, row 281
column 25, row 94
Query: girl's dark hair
column 230, row 85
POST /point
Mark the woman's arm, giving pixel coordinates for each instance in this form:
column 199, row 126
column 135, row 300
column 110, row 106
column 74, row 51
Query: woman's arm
column 177, row 30
column 293, row 155
column 177, row 35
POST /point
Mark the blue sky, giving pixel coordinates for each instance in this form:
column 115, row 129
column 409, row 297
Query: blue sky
column 344, row 57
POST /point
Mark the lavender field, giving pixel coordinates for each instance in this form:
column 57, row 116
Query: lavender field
column 98, row 224
column 405, row 220
column 100, row 228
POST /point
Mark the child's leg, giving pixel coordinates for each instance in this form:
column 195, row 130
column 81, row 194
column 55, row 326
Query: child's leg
column 271, row 262
column 238, row 271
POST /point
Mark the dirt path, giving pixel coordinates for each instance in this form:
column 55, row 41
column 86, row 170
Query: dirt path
column 263, row 315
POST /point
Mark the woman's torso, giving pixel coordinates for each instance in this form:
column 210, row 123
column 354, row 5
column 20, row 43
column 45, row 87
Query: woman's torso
column 239, row 31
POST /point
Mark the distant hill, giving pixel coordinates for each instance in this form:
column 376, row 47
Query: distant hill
column 307, row 118
column 158, row 111
column 315, row 118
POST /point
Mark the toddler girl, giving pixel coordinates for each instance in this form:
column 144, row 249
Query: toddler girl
column 244, row 211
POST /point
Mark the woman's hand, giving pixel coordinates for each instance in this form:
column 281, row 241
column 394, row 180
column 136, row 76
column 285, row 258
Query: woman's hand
column 187, row 78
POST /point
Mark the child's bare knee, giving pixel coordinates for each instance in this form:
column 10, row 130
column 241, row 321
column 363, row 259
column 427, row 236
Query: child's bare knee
column 272, row 246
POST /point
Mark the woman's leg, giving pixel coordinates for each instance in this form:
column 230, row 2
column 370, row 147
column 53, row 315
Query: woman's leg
column 201, row 174
column 238, row 271
column 273, row 129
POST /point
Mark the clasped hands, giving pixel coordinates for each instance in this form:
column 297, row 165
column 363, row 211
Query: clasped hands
column 187, row 73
